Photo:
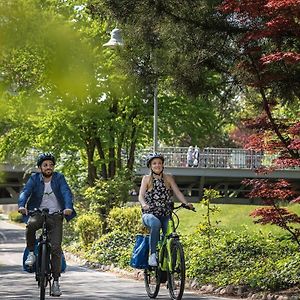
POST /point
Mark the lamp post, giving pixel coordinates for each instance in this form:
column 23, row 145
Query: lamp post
column 155, row 118
column 116, row 40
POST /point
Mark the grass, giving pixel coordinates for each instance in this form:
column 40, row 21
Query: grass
column 229, row 216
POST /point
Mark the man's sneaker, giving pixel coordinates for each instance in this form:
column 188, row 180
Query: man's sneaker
column 55, row 290
column 152, row 260
column 30, row 259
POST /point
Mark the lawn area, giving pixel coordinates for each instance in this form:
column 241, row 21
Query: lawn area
column 232, row 216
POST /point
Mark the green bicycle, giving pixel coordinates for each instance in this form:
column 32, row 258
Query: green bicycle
column 171, row 262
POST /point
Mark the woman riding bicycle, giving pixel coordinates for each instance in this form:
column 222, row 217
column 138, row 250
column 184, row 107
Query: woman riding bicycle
column 155, row 199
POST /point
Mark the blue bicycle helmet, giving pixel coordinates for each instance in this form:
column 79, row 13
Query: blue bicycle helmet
column 45, row 156
column 151, row 156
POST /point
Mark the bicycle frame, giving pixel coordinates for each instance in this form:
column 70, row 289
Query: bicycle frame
column 43, row 240
column 164, row 247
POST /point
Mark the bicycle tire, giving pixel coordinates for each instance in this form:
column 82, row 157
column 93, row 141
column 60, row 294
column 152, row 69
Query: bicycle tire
column 43, row 272
column 152, row 281
column 176, row 276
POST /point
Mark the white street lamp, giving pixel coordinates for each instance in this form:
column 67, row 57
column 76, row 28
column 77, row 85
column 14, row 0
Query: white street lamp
column 115, row 39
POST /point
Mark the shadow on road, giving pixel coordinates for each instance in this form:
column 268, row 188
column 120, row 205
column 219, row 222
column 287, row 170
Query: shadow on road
column 12, row 236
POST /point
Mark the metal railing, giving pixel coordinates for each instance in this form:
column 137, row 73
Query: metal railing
column 210, row 157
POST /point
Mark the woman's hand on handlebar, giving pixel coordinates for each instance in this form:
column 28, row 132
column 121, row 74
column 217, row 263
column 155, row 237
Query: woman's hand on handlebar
column 189, row 206
column 145, row 206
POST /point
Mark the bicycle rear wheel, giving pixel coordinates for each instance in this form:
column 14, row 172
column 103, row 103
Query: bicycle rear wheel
column 43, row 271
column 176, row 276
column 152, row 281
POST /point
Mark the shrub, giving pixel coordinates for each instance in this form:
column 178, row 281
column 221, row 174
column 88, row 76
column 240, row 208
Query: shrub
column 125, row 219
column 107, row 194
column 113, row 248
column 89, row 228
column 15, row 217
column 70, row 235
column 242, row 259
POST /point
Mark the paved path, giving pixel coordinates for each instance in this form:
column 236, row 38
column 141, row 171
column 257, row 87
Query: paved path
column 77, row 283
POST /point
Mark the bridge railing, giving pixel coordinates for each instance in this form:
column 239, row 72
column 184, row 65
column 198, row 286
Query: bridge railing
column 211, row 158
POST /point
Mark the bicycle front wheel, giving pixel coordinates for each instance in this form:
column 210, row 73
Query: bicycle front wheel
column 43, row 271
column 176, row 275
column 152, row 281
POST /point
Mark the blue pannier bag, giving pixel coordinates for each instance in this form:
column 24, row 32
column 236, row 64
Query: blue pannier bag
column 139, row 258
column 32, row 269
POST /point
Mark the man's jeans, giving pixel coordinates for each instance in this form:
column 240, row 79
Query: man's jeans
column 154, row 224
column 54, row 226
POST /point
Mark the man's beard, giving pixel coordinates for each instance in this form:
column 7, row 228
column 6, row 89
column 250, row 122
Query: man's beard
column 46, row 174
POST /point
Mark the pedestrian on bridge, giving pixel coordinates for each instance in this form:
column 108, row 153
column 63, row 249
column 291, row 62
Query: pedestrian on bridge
column 196, row 156
column 47, row 189
column 155, row 199
column 190, row 156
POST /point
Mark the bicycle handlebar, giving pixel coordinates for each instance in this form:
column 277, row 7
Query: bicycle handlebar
column 182, row 205
column 44, row 212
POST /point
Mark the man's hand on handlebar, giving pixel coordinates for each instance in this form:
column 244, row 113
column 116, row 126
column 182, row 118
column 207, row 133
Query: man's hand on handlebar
column 23, row 211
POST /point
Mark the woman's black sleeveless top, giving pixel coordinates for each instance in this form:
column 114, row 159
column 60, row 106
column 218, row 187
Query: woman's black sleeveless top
column 158, row 199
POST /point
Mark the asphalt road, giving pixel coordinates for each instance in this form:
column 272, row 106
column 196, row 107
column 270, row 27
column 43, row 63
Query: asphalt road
column 77, row 283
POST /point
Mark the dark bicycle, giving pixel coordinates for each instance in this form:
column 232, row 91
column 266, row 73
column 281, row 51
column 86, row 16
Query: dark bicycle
column 43, row 274
column 171, row 262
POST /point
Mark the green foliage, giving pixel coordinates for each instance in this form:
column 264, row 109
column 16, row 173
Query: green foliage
column 70, row 235
column 242, row 259
column 125, row 219
column 168, row 43
column 89, row 228
column 41, row 50
column 15, row 216
column 106, row 194
column 206, row 227
column 113, row 248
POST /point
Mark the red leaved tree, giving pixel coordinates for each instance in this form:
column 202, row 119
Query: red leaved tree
column 269, row 64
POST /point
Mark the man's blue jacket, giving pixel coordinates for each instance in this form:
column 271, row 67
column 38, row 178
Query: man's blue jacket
column 33, row 191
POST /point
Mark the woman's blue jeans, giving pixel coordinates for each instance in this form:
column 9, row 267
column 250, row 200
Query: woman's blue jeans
column 154, row 224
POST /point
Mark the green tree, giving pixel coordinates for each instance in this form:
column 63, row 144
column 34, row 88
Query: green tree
column 182, row 49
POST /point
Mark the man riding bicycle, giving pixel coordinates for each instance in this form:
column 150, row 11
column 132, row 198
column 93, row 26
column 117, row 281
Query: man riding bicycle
column 47, row 189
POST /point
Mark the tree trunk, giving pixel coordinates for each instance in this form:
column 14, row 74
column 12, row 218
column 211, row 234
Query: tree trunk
column 102, row 157
column 133, row 139
column 269, row 114
column 112, row 162
column 111, row 149
column 130, row 161
column 119, row 150
column 92, row 171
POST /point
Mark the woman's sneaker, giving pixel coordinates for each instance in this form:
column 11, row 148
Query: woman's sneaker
column 152, row 260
